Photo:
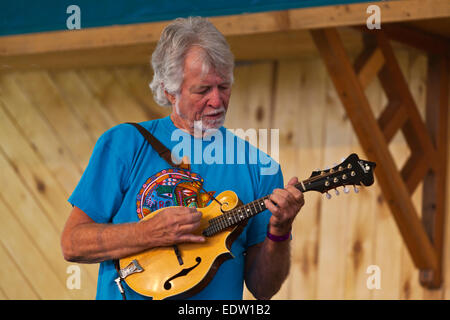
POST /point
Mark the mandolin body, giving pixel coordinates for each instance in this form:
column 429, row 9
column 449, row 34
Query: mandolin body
column 163, row 276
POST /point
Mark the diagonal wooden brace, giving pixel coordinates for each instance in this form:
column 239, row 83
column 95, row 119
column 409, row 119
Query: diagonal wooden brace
column 374, row 135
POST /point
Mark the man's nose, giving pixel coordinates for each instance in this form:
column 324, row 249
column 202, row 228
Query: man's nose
column 214, row 98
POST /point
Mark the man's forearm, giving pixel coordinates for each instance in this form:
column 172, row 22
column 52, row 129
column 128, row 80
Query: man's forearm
column 268, row 269
column 95, row 242
column 86, row 241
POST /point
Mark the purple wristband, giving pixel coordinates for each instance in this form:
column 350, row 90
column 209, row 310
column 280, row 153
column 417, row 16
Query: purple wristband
column 278, row 238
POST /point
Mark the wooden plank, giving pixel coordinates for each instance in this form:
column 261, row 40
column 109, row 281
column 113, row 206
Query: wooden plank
column 21, row 252
column 95, row 118
column 335, row 228
column 43, row 94
column 250, row 102
column 301, row 86
column 446, row 255
column 413, row 66
column 137, row 80
column 39, row 134
column 34, row 175
column 385, row 240
column 31, row 158
column 356, row 14
column 372, row 140
column 284, row 45
column 113, row 96
column 14, row 284
column 434, row 190
column 32, row 171
column 362, row 221
column 45, row 238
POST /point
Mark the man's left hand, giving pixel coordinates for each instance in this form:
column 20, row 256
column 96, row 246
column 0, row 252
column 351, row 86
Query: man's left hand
column 284, row 205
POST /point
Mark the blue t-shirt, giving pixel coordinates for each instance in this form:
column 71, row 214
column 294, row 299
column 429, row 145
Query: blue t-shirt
column 120, row 185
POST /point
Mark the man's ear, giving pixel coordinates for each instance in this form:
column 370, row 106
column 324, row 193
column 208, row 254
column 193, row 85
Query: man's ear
column 170, row 97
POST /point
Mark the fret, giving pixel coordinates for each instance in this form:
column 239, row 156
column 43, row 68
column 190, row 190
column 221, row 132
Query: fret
column 247, row 210
column 262, row 204
column 259, row 205
column 221, row 222
column 229, row 220
column 239, row 212
column 254, row 206
column 235, row 217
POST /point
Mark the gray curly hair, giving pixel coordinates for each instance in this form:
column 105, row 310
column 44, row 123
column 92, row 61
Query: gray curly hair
column 176, row 39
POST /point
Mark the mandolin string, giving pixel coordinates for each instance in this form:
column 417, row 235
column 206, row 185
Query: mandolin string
column 221, row 222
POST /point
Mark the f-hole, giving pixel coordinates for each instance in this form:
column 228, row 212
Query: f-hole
column 182, row 273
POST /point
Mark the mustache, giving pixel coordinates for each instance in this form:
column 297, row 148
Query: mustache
column 216, row 111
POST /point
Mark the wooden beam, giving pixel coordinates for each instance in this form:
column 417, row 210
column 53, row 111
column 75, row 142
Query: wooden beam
column 136, row 40
column 392, row 119
column 414, row 37
column 368, row 64
column 394, row 82
column 434, row 187
column 414, row 170
column 372, row 140
column 283, row 45
column 418, row 39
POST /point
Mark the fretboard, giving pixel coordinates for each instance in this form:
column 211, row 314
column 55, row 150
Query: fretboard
column 237, row 215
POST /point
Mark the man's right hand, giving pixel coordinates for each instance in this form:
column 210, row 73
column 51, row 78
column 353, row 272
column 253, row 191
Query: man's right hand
column 85, row 241
column 172, row 225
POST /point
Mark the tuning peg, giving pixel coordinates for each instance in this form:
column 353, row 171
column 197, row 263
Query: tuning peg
column 328, row 195
column 355, row 189
column 346, row 190
column 336, row 191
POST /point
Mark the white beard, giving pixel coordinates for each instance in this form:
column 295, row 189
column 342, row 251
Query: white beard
column 202, row 125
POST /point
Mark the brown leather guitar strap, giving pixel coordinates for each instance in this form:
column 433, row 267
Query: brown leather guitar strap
column 162, row 150
column 164, row 153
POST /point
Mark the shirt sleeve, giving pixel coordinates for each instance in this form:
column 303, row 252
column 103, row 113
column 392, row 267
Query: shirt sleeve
column 100, row 191
column 257, row 228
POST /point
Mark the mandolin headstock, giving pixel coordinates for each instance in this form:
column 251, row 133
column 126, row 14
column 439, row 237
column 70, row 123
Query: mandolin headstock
column 351, row 171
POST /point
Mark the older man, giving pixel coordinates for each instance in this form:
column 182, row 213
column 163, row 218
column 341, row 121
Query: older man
column 193, row 73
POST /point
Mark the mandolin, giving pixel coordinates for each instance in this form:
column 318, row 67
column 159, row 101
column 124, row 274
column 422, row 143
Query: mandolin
column 183, row 270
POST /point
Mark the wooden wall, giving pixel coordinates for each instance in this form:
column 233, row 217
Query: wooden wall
column 50, row 120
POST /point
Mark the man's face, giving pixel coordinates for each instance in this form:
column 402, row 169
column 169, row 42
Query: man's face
column 203, row 96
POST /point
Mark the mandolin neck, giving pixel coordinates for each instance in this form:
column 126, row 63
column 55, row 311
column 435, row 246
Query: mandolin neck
column 352, row 171
column 237, row 215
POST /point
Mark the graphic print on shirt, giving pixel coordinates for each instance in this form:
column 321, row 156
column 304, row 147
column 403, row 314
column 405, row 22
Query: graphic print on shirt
column 171, row 187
